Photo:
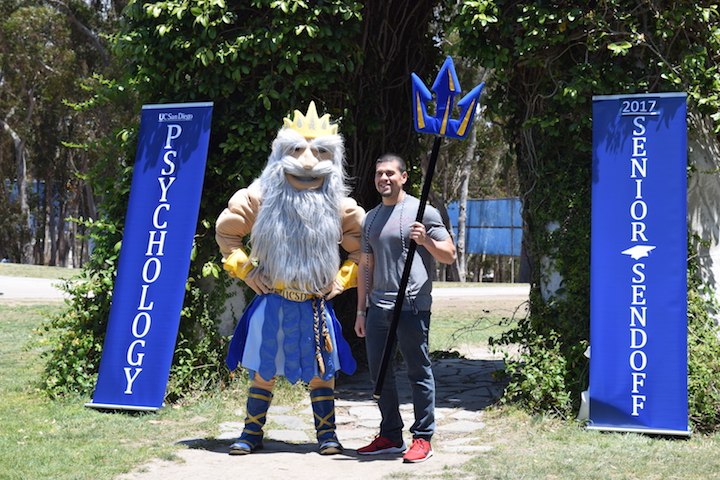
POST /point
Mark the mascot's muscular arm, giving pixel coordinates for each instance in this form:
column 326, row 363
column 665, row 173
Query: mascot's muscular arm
column 237, row 220
column 233, row 224
column 352, row 218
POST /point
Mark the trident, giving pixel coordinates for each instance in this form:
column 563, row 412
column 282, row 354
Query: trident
column 446, row 86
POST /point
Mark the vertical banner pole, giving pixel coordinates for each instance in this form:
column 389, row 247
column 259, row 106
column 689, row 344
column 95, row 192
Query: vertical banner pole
column 638, row 271
column 154, row 257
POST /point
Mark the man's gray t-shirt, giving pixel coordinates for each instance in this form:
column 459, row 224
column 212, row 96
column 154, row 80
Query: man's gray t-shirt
column 386, row 235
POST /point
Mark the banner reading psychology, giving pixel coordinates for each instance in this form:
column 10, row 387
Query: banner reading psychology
column 638, row 272
column 154, row 257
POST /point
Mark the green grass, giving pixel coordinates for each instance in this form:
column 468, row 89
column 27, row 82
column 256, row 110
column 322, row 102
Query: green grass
column 59, row 439
column 461, row 333
column 546, row 448
column 35, row 271
column 437, row 284
column 465, row 323
column 63, row 440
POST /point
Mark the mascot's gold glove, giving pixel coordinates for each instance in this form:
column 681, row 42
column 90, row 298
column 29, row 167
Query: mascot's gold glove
column 238, row 264
column 345, row 278
column 347, row 275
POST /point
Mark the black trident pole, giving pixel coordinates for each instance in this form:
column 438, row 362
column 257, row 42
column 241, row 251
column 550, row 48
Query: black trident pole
column 390, row 340
column 446, row 86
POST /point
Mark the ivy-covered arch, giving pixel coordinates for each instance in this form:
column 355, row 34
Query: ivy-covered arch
column 549, row 59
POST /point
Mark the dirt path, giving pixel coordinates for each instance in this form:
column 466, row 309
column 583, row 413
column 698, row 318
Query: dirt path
column 464, row 388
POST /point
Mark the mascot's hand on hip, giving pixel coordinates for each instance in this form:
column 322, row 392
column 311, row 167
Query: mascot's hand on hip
column 345, row 278
column 239, row 265
column 258, row 281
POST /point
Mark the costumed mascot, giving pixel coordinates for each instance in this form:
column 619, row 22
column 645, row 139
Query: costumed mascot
column 296, row 212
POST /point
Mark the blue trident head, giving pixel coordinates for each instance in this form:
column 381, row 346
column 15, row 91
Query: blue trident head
column 446, row 86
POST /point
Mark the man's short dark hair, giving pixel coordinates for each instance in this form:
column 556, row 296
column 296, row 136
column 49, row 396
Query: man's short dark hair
column 389, row 157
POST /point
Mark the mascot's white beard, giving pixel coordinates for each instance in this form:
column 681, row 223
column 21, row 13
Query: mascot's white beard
column 296, row 235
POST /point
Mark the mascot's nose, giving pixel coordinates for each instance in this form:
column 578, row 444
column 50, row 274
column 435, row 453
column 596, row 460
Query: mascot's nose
column 307, row 158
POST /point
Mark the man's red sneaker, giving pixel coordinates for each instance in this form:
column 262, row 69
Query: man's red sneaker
column 382, row 445
column 419, row 451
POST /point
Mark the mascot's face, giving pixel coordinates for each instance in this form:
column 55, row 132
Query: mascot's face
column 299, row 225
column 309, row 151
column 305, row 164
column 308, row 156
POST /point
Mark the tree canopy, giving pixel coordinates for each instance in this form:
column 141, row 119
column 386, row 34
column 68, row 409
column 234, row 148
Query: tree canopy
column 51, row 53
column 549, row 59
column 256, row 61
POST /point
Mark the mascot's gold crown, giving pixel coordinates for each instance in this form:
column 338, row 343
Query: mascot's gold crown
column 310, row 125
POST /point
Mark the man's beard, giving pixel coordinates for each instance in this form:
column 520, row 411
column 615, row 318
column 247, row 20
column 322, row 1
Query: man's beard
column 296, row 234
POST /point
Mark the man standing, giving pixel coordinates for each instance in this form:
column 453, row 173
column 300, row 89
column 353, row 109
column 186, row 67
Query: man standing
column 387, row 231
column 296, row 213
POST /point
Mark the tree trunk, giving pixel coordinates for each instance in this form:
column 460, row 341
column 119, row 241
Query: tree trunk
column 466, row 169
column 21, row 179
column 394, row 39
column 452, row 274
column 50, row 251
column 93, row 37
column 62, row 237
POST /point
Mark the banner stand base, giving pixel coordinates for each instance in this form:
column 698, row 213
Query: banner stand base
column 107, row 406
column 648, row 431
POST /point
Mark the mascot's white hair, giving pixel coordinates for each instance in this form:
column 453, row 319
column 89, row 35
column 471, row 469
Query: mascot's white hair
column 296, row 234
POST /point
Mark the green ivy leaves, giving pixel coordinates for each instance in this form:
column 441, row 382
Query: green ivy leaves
column 256, row 60
column 549, row 59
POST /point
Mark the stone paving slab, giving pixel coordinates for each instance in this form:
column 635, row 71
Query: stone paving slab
column 464, row 388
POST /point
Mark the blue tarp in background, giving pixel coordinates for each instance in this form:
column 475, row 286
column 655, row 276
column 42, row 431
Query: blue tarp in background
column 493, row 227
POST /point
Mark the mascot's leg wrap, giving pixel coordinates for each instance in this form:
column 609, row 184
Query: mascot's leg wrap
column 251, row 439
column 323, row 405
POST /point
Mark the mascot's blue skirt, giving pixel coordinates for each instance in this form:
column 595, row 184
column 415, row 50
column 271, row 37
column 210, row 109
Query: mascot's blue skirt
column 276, row 336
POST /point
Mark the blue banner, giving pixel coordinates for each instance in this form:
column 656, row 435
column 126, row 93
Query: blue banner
column 492, row 226
column 638, row 266
column 154, row 257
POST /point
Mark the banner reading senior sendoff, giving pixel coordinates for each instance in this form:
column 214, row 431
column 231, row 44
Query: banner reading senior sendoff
column 154, row 257
column 638, row 290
